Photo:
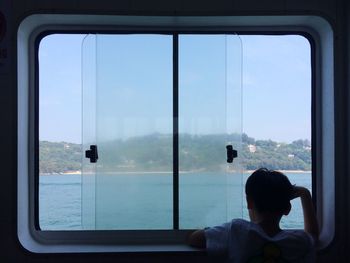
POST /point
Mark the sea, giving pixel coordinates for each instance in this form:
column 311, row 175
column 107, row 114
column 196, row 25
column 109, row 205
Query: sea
column 145, row 200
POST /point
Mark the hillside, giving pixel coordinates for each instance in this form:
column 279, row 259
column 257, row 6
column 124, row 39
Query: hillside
column 59, row 157
column 196, row 153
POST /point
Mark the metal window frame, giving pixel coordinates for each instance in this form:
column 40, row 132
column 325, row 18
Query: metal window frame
column 175, row 55
column 154, row 240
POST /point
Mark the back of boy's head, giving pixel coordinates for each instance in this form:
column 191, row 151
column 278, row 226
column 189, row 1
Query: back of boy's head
column 271, row 191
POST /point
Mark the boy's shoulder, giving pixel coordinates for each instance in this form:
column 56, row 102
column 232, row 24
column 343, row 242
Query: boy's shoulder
column 242, row 223
column 300, row 236
column 241, row 238
column 292, row 235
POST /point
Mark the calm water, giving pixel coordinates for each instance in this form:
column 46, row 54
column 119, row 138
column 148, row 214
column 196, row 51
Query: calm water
column 144, row 201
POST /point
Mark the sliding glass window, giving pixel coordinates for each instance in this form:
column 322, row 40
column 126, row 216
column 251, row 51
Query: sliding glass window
column 159, row 131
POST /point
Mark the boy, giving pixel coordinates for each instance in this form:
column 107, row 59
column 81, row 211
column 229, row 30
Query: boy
column 268, row 195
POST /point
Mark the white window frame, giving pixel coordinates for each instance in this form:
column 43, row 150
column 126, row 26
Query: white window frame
column 39, row 241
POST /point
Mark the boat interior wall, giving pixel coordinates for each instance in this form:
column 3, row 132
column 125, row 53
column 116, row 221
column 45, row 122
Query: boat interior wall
column 327, row 21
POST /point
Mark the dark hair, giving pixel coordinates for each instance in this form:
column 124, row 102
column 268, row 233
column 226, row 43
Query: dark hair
column 271, row 191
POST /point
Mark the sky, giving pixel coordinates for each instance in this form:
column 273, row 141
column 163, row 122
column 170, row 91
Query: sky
column 133, row 91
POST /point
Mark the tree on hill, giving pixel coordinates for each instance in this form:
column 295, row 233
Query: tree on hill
column 196, row 153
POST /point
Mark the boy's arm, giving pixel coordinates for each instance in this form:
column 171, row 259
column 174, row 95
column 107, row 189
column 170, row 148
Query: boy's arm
column 310, row 219
column 197, row 239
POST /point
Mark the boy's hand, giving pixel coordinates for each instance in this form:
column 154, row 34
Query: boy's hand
column 197, row 239
column 300, row 191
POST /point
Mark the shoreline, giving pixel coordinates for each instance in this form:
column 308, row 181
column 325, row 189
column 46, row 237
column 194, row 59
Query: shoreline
column 166, row 172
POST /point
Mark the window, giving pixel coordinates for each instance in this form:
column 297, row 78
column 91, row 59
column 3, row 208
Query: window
column 127, row 106
column 189, row 123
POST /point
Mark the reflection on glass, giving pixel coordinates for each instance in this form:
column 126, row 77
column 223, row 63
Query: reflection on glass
column 210, row 189
column 88, row 179
column 133, row 180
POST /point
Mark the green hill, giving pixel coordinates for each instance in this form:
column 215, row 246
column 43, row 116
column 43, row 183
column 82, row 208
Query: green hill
column 59, row 157
column 196, row 153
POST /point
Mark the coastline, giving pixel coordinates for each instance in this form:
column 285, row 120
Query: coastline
column 78, row 172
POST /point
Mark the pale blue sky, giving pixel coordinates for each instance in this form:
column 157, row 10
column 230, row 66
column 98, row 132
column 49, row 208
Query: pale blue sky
column 276, row 85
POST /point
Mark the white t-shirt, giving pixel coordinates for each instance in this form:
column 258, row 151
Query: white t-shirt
column 246, row 242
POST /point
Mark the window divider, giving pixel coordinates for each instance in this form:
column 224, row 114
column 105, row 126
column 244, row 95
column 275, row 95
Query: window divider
column 175, row 131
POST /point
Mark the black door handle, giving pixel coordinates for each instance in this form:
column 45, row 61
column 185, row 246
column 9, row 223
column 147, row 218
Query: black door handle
column 231, row 153
column 92, row 154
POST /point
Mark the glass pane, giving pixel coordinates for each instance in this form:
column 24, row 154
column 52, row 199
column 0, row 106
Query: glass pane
column 277, row 111
column 234, row 120
column 209, row 74
column 133, row 132
column 88, row 65
column 59, row 105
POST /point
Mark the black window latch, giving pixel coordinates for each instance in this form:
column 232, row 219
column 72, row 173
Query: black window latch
column 92, row 154
column 231, row 153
